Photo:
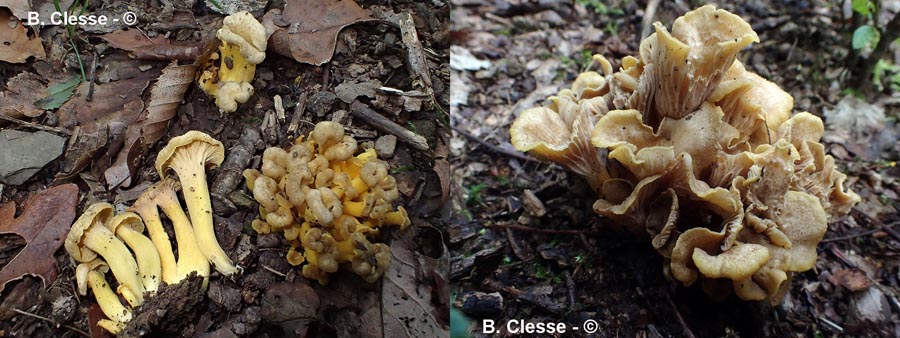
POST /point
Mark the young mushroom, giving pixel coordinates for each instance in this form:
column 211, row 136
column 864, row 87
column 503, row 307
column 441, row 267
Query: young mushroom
column 89, row 237
column 188, row 156
column 242, row 47
column 91, row 274
column 129, row 227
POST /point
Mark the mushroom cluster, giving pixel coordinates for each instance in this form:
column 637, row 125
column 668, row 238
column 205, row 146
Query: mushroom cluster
column 227, row 73
column 685, row 146
column 328, row 203
column 102, row 241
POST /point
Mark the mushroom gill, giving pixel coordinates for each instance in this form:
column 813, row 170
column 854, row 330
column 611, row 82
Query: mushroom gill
column 712, row 167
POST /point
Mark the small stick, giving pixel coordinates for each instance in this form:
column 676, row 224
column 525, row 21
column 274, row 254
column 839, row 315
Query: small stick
column 70, row 327
column 376, row 120
column 831, row 324
column 570, row 287
column 90, row 93
column 298, row 114
column 649, row 14
column 279, row 107
column 843, row 238
column 35, row 126
column 492, row 147
column 283, row 275
column 543, row 231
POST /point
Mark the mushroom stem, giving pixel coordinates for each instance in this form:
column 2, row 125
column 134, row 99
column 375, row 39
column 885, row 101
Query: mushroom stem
column 120, row 261
column 190, row 254
column 109, row 303
column 192, row 174
column 148, row 261
column 150, row 214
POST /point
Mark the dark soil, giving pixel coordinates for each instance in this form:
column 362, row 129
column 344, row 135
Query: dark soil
column 571, row 265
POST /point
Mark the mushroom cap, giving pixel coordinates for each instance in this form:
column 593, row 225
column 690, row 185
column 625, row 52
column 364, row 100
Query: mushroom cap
column 97, row 212
column 203, row 147
column 739, row 262
column 127, row 219
column 231, row 93
column 327, row 134
column 243, row 30
column 81, row 273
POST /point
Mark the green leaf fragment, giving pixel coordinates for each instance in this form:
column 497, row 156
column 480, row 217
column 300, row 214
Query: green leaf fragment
column 58, row 94
column 864, row 35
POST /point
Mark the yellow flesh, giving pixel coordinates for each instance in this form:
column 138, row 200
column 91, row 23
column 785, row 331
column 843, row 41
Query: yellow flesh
column 190, row 258
column 120, row 261
column 148, row 261
column 192, row 175
column 107, row 299
column 150, row 215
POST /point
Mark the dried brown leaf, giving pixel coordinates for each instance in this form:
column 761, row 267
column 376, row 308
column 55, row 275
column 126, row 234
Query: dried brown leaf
column 307, row 29
column 17, row 45
column 43, row 224
column 113, row 107
column 156, row 48
column 20, row 94
column 852, row 279
column 411, row 294
column 165, row 97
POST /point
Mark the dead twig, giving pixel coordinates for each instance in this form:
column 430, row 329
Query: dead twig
column 888, row 228
column 844, row 238
column 90, row 93
column 543, row 231
column 298, row 114
column 35, row 125
column 270, row 269
column 382, row 123
column 649, row 14
column 70, row 327
column 492, row 147
column 415, row 54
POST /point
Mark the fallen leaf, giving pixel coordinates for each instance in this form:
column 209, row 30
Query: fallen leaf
column 852, row 279
column 408, row 295
column 17, row 45
column 43, row 224
column 307, row 29
column 156, row 48
column 292, row 306
column 21, row 92
column 104, row 119
column 165, row 97
column 58, row 93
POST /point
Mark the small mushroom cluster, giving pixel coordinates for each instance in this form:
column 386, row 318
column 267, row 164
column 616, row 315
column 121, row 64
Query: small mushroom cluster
column 328, row 203
column 227, row 73
column 687, row 147
column 102, row 241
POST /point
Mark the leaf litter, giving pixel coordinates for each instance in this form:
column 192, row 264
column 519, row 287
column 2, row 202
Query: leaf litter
column 18, row 46
column 43, row 223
